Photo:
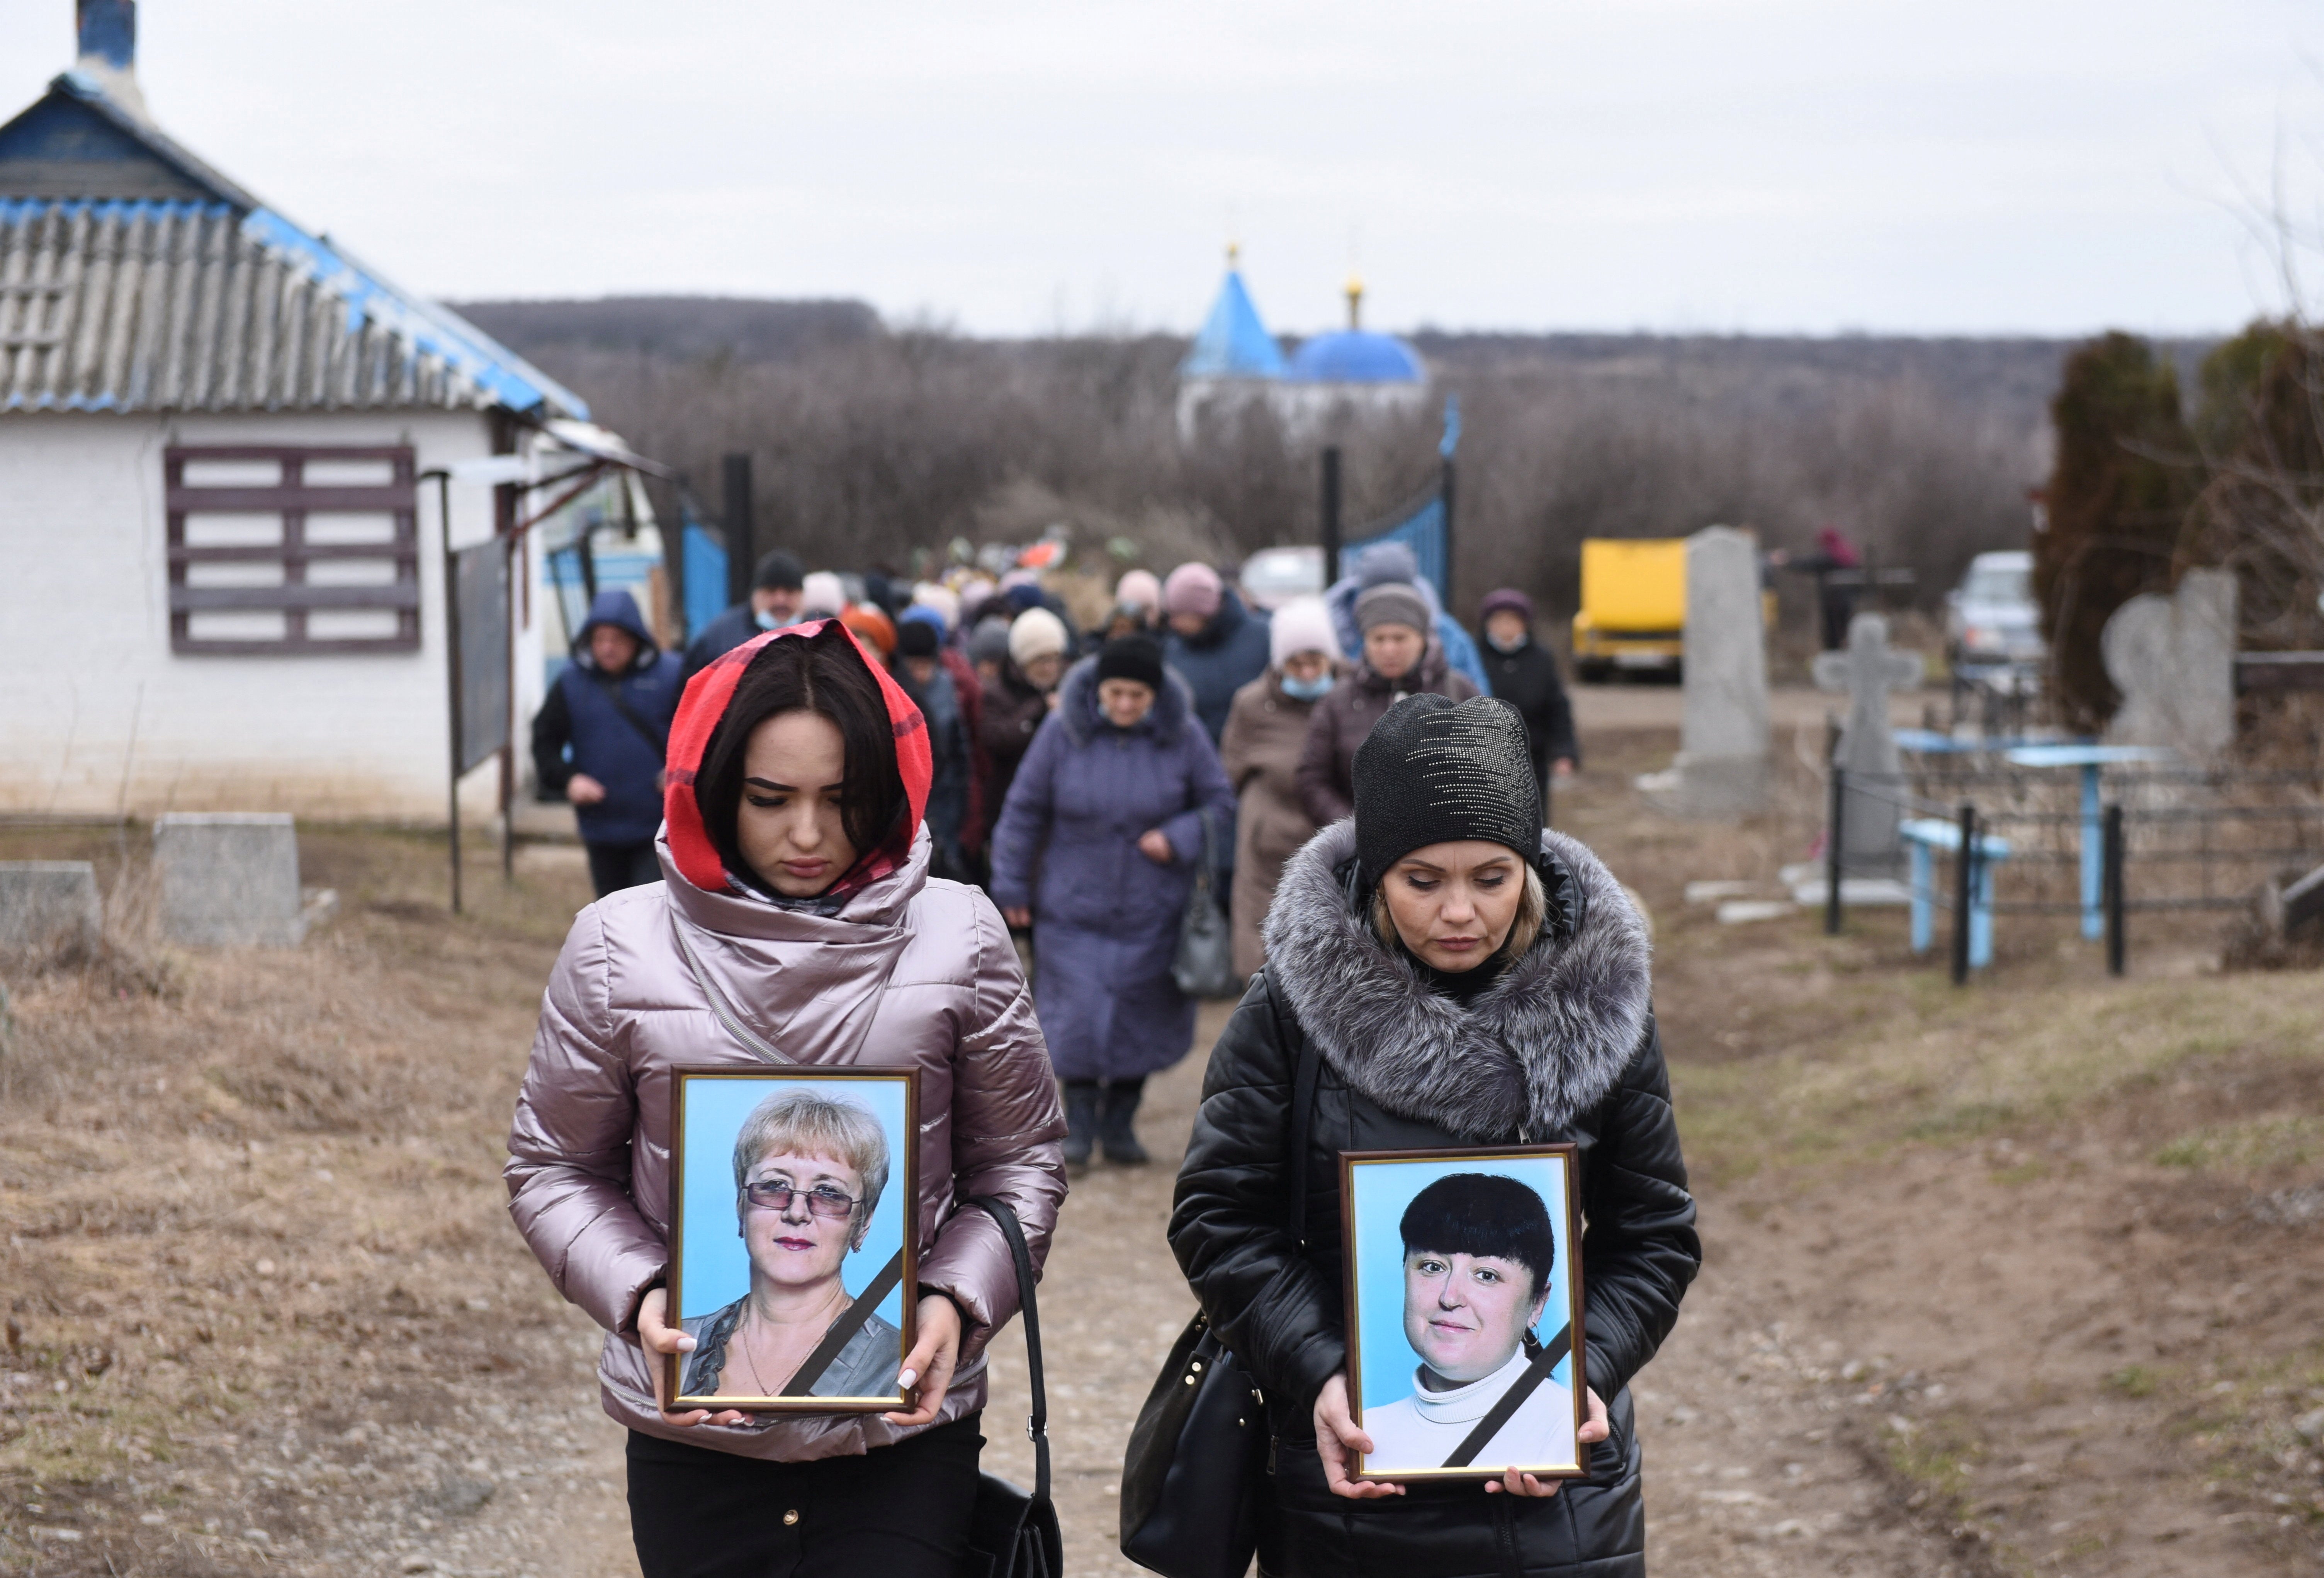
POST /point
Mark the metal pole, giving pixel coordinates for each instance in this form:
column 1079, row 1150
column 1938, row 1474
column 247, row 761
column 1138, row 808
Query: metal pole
column 742, row 538
column 2116, row 939
column 1444, row 492
column 513, row 564
column 1833, row 828
column 452, row 671
column 1964, row 891
column 1330, row 515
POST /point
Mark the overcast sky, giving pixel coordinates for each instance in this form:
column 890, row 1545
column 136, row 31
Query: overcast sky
column 1954, row 166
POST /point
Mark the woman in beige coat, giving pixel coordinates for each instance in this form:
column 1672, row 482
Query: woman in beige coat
column 1267, row 729
column 796, row 923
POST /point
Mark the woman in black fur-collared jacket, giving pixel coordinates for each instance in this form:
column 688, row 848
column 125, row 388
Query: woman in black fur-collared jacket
column 1468, row 979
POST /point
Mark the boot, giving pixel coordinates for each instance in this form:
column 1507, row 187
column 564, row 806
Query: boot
column 1116, row 1129
column 1081, row 1121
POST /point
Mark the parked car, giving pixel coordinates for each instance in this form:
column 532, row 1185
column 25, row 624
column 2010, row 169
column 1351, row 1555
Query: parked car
column 1992, row 622
column 1274, row 576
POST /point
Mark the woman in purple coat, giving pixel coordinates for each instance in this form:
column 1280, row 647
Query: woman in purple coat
column 1096, row 851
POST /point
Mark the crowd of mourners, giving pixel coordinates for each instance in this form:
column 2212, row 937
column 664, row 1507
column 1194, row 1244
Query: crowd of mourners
column 831, row 831
column 1190, row 729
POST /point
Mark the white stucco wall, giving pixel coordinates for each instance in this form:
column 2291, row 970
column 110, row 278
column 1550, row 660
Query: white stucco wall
column 96, row 714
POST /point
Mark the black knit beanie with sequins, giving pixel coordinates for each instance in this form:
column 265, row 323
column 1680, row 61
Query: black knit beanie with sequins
column 1434, row 771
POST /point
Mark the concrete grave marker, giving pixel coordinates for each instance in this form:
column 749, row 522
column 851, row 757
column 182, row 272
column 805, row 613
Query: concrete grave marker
column 229, row 880
column 2174, row 659
column 1872, row 809
column 1722, row 768
column 44, row 902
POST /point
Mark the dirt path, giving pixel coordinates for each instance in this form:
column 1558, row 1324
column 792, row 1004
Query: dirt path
column 2015, row 1279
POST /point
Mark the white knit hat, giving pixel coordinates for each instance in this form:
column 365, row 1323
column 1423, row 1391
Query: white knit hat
column 1304, row 624
column 823, row 592
column 1037, row 634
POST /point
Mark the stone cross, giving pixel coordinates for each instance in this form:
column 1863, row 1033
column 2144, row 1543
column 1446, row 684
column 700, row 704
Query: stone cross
column 2174, row 659
column 1721, row 769
column 1872, row 808
column 229, row 880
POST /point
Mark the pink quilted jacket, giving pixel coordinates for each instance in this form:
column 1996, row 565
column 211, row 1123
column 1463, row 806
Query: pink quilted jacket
column 912, row 971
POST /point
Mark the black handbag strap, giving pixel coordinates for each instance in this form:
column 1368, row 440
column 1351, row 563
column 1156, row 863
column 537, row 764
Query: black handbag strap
column 1503, row 1411
column 843, row 1330
column 612, row 688
column 1036, row 1426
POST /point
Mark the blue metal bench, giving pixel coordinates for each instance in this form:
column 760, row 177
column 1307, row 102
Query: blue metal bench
column 1924, row 835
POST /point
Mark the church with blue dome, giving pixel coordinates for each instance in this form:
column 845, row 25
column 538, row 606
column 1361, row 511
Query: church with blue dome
column 1234, row 362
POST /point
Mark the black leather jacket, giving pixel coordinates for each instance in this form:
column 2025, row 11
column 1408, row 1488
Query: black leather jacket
column 1412, row 1083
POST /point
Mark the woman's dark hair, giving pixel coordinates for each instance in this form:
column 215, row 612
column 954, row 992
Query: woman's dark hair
column 1483, row 1213
column 823, row 674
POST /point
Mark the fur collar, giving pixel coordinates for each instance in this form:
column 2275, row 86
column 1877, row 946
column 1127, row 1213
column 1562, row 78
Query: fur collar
column 1546, row 1041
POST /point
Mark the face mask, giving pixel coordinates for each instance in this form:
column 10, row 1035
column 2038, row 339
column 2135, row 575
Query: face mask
column 766, row 620
column 1500, row 645
column 1308, row 689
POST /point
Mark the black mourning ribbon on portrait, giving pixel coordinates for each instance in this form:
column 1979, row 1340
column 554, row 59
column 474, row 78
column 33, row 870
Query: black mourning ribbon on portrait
column 1502, row 1412
column 843, row 1330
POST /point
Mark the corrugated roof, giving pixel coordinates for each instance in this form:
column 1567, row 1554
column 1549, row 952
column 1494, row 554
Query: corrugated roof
column 125, row 302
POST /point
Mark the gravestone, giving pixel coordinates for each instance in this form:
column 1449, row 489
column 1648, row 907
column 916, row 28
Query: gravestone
column 1722, row 768
column 1872, row 808
column 44, row 902
column 2173, row 659
column 229, row 880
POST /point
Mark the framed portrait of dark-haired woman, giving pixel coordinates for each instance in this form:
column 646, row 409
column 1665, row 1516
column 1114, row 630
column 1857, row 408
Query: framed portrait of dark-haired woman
column 791, row 1238
column 1464, row 1312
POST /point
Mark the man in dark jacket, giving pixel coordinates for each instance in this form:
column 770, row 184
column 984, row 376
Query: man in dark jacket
column 775, row 601
column 1216, row 644
column 601, row 736
column 1525, row 676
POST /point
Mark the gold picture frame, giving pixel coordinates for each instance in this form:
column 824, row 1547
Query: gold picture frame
column 753, row 1241
column 1457, row 1341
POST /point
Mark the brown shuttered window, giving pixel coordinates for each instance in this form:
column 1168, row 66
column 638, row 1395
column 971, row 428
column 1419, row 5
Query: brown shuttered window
column 279, row 551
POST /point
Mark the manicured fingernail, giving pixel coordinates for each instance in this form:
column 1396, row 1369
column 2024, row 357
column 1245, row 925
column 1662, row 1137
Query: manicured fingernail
column 907, row 1378
column 686, row 1345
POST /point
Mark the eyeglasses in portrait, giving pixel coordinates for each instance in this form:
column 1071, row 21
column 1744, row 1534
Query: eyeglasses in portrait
column 791, row 1241
column 1464, row 1311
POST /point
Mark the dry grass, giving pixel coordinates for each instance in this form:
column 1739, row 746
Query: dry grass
column 264, row 1307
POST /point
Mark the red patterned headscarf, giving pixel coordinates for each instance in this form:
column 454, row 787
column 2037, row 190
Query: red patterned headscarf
column 704, row 704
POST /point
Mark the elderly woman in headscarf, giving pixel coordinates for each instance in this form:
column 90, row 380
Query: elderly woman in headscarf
column 1267, row 731
column 1095, row 852
column 1398, row 659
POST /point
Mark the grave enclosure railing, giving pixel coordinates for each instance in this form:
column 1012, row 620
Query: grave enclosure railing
column 1987, row 839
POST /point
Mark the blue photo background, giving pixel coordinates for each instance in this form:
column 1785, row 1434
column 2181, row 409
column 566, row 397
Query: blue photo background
column 1382, row 1189
column 717, row 1270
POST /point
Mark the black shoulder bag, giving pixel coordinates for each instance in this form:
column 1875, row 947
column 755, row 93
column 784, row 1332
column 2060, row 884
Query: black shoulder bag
column 1011, row 1534
column 1191, row 1481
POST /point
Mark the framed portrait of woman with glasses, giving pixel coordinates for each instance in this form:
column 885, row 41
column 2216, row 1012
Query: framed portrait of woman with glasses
column 791, row 1238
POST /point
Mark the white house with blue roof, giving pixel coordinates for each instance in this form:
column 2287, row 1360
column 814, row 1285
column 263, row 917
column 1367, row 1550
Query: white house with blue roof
column 220, row 556
column 1234, row 362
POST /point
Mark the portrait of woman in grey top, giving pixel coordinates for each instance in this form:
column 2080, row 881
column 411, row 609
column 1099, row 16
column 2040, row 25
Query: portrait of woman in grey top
column 808, row 1171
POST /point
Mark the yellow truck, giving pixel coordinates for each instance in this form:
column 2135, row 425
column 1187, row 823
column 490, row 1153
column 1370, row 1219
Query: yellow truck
column 1633, row 607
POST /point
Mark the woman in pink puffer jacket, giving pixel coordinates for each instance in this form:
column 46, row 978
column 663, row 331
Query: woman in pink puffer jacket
column 810, row 913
